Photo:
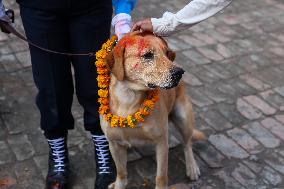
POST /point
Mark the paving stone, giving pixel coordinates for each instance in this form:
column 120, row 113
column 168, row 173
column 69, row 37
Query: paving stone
column 260, row 104
column 227, row 146
column 273, row 98
column 280, row 118
column 230, row 112
column 216, row 35
column 214, row 119
column 280, row 90
column 24, row 58
column 276, row 162
column 274, row 126
column 28, row 175
column 196, row 57
column 210, row 54
column 133, row 155
column 225, row 52
column 218, row 70
column 209, row 154
column 229, row 182
column 213, row 93
column 6, row 155
column 42, row 163
column 245, row 140
column 8, row 62
column 198, row 98
column 255, row 83
column 191, row 79
column 205, row 38
column 21, row 146
column 247, row 110
column 262, row 135
column 192, row 41
column 272, row 176
column 179, row 186
column 246, row 177
column 207, row 76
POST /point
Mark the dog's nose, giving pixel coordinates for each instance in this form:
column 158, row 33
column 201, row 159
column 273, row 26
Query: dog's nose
column 176, row 71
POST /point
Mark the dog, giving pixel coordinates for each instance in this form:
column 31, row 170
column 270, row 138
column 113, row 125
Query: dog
column 141, row 62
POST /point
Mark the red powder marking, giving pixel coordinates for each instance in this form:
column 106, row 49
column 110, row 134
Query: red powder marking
column 125, row 42
column 142, row 44
column 135, row 66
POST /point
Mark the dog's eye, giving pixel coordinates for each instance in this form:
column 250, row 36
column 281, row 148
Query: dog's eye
column 148, row 55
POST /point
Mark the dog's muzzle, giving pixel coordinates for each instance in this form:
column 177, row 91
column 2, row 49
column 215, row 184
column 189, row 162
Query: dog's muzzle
column 175, row 76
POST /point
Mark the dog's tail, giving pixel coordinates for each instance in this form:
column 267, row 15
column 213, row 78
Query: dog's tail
column 198, row 135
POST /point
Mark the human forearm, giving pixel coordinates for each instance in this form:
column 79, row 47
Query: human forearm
column 193, row 13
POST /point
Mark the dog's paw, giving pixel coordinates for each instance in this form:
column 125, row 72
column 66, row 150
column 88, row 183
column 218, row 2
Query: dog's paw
column 193, row 172
column 111, row 186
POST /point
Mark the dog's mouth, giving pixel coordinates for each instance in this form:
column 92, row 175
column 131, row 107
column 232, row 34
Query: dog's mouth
column 152, row 86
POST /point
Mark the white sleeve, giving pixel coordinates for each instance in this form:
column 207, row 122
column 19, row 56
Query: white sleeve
column 193, row 13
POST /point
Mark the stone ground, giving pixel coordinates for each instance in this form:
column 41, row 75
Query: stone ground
column 235, row 76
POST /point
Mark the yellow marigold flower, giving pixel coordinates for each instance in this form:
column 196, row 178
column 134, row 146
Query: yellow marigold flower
column 114, row 121
column 122, row 122
column 103, row 93
column 130, row 121
column 108, row 117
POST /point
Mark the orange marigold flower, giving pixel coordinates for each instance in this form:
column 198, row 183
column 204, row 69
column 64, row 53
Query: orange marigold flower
column 103, row 109
column 149, row 103
column 138, row 116
column 103, row 101
column 100, row 63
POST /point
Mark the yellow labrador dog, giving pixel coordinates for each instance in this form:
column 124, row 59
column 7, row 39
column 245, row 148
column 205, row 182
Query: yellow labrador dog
column 142, row 62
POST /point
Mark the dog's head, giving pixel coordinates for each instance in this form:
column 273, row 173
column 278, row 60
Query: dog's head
column 145, row 61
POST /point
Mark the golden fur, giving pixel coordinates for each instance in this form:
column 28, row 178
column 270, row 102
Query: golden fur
column 132, row 74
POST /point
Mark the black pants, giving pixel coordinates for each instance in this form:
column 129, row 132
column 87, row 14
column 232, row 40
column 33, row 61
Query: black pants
column 73, row 28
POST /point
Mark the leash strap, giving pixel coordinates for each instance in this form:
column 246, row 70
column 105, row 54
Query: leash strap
column 8, row 27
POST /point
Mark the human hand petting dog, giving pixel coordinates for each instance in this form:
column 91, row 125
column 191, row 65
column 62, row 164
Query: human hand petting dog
column 193, row 13
column 143, row 26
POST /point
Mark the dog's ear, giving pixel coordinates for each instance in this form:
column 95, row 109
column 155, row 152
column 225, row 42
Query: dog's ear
column 115, row 60
column 171, row 54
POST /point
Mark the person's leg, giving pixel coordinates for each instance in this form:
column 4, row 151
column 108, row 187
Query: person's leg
column 53, row 78
column 89, row 30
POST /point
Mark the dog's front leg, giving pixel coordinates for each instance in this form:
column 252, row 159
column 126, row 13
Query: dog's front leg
column 162, row 151
column 119, row 155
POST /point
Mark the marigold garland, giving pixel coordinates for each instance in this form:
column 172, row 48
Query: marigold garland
column 103, row 83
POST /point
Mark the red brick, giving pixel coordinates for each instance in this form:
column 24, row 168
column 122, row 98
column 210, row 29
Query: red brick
column 260, row 104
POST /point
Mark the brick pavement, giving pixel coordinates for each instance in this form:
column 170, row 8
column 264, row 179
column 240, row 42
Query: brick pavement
column 235, row 76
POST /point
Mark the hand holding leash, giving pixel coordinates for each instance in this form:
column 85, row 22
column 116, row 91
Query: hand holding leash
column 6, row 16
